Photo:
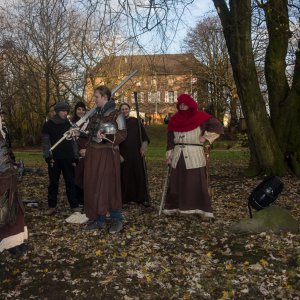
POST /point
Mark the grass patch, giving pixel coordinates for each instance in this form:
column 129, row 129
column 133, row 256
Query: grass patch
column 154, row 153
column 158, row 153
column 238, row 154
column 157, row 135
column 157, row 148
column 29, row 157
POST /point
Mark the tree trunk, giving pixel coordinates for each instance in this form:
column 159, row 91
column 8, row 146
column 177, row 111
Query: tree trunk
column 266, row 155
column 289, row 121
column 284, row 101
column 276, row 12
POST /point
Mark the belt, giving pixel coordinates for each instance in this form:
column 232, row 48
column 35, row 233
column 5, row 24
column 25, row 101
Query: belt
column 186, row 144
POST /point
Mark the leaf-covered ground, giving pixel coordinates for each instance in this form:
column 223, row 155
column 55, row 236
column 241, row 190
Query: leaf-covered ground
column 182, row 257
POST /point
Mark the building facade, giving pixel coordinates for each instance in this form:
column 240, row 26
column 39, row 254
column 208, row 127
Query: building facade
column 160, row 79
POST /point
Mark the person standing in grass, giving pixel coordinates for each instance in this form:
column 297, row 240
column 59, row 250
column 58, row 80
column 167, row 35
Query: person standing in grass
column 63, row 159
column 188, row 130
column 102, row 183
column 133, row 176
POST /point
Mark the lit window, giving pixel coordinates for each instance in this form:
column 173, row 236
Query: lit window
column 169, row 97
column 140, row 97
column 154, row 97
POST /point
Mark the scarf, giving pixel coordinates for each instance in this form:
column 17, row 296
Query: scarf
column 187, row 120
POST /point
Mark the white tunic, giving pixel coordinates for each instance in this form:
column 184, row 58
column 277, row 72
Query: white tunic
column 194, row 156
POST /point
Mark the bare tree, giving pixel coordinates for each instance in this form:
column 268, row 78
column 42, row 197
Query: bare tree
column 50, row 48
column 274, row 142
column 206, row 41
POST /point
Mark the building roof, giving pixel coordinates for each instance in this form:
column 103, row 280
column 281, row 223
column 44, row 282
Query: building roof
column 162, row 64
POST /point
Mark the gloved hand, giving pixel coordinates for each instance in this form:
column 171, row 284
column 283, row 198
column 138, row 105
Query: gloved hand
column 48, row 159
column 144, row 148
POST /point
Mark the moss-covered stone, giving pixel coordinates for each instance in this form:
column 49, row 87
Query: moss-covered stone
column 271, row 218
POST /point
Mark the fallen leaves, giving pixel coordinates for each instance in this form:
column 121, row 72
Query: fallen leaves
column 156, row 258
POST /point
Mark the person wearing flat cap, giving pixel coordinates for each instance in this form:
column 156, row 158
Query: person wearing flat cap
column 62, row 159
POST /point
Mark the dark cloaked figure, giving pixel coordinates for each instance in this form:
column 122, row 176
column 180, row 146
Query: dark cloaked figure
column 134, row 185
column 188, row 130
column 79, row 112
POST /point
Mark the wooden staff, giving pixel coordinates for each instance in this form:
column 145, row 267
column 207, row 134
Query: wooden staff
column 165, row 189
column 148, row 202
column 207, row 153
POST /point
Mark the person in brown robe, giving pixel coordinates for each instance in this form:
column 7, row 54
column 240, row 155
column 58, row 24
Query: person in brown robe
column 79, row 112
column 133, row 175
column 102, row 182
column 188, row 130
column 13, row 231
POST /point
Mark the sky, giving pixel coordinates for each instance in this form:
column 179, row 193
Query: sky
column 193, row 13
column 151, row 42
column 197, row 11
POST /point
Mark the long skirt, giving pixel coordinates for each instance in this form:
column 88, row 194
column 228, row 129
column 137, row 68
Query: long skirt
column 133, row 181
column 79, row 173
column 188, row 192
column 12, row 235
column 102, row 183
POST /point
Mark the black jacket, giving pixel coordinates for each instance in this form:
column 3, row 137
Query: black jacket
column 52, row 131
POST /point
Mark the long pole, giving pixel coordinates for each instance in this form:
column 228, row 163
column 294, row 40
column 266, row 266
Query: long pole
column 165, row 189
column 207, row 158
column 148, row 202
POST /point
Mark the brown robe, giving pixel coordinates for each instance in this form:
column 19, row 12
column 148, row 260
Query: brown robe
column 187, row 191
column 79, row 170
column 14, row 233
column 102, row 183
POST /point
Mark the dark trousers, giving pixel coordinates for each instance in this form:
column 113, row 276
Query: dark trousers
column 79, row 194
column 65, row 167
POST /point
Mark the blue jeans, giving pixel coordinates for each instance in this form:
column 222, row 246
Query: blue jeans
column 115, row 215
column 101, row 219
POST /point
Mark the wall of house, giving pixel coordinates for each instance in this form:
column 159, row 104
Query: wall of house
column 157, row 93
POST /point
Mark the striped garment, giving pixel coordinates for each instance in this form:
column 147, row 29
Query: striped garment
column 194, row 156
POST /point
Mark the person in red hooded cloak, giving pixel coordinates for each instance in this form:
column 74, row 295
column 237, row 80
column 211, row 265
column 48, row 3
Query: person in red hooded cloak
column 188, row 130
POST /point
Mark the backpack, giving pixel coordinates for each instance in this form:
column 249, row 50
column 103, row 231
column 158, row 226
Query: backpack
column 265, row 193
